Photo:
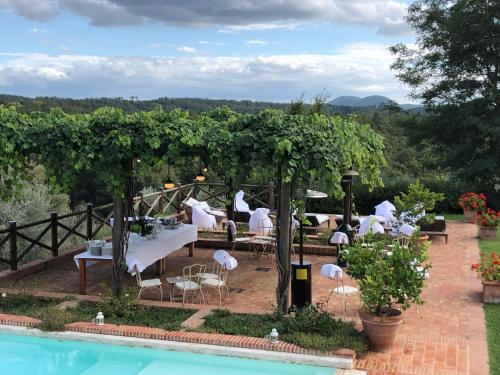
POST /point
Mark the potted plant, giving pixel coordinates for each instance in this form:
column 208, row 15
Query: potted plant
column 388, row 283
column 471, row 203
column 487, row 221
column 414, row 206
column 489, row 271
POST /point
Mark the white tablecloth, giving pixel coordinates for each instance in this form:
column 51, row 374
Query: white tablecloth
column 146, row 252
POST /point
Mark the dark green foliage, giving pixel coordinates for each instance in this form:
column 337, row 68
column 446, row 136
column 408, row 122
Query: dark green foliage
column 312, row 328
column 24, row 304
column 455, row 72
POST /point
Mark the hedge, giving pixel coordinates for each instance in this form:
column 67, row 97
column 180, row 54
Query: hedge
column 365, row 201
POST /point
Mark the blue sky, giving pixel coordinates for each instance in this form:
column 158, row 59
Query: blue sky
column 237, row 49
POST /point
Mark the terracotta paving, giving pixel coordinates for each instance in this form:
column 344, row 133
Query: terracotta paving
column 447, row 335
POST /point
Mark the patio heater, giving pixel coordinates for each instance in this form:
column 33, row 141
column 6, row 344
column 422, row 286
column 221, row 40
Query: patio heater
column 345, row 227
column 301, row 289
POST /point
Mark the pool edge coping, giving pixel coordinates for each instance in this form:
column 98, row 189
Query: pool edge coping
column 343, row 364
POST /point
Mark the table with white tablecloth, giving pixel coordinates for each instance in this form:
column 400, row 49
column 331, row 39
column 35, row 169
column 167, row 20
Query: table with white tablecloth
column 144, row 253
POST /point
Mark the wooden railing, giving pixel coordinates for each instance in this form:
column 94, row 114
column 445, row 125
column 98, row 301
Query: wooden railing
column 52, row 233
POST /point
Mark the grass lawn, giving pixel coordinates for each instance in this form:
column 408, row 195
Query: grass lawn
column 457, row 217
column 492, row 315
column 311, row 329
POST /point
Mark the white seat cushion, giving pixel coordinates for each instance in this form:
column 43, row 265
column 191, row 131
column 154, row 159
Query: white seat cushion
column 212, row 282
column 151, row 282
column 208, row 275
column 345, row 290
column 242, row 239
column 187, row 285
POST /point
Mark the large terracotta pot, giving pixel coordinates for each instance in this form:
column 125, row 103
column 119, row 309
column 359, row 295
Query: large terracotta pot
column 381, row 331
column 491, row 291
column 469, row 215
column 488, row 233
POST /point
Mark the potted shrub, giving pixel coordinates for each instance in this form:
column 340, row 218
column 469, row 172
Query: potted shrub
column 414, row 206
column 489, row 271
column 388, row 283
column 471, row 204
column 487, row 221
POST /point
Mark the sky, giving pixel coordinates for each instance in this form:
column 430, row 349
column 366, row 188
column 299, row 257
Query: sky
column 267, row 50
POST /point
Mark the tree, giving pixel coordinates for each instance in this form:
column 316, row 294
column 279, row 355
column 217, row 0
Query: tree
column 455, row 71
column 305, row 151
column 110, row 143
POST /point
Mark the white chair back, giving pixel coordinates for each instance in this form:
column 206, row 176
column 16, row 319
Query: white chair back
column 339, row 238
column 407, row 230
column 387, row 210
column 260, row 222
column 370, row 225
column 331, row 271
column 239, row 204
column 201, row 219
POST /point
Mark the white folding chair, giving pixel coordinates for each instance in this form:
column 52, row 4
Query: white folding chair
column 147, row 284
column 219, row 283
column 190, row 284
column 335, row 276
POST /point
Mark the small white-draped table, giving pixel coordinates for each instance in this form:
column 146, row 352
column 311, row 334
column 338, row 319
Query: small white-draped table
column 144, row 253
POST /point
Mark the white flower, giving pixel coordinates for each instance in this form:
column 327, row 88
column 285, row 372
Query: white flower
column 126, row 295
column 4, row 295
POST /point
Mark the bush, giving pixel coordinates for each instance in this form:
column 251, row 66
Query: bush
column 365, row 200
column 312, row 328
column 126, row 306
column 24, row 303
column 54, row 319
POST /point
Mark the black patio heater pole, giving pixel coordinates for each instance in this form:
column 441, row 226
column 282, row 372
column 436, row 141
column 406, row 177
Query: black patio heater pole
column 301, row 290
column 345, row 227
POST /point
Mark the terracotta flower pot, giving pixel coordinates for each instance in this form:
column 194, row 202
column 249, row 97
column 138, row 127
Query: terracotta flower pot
column 422, row 238
column 491, row 291
column 488, row 233
column 469, row 215
column 381, row 331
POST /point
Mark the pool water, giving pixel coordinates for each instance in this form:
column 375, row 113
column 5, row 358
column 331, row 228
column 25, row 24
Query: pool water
column 22, row 354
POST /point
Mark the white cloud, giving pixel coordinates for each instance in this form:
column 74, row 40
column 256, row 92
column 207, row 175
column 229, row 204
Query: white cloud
column 257, row 42
column 386, row 16
column 209, row 43
column 186, row 49
column 357, row 69
column 36, row 30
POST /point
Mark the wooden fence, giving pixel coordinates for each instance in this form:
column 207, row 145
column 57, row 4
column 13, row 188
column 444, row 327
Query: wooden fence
column 53, row 233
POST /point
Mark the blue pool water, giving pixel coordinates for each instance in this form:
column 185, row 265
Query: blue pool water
column 29, row 355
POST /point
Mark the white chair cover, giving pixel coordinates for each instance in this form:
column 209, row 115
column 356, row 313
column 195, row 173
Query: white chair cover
column 370, row 225
column 339, row 238
column 239, row 204
column 201, row 219
column 407, row 230
column 225, row 259
column 331, row 271
column 260, row 222
column 386, row 209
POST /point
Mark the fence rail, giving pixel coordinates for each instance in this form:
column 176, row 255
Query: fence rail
column 53, row 232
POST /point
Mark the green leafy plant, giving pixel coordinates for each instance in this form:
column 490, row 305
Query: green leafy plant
column 311, row 328
column 487, row 218
column 136, row 228
column 414, row 206
column 489, row 267
column 54, row 319
column 386, row 281
column 124, row 306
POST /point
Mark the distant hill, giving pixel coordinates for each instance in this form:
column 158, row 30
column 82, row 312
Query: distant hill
column 368, row 101
column 342, row 105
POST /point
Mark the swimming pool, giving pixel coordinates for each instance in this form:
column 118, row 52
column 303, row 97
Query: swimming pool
column 23, row 354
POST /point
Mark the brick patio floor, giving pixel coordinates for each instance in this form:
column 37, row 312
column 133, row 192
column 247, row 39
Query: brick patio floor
column 447, row 336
